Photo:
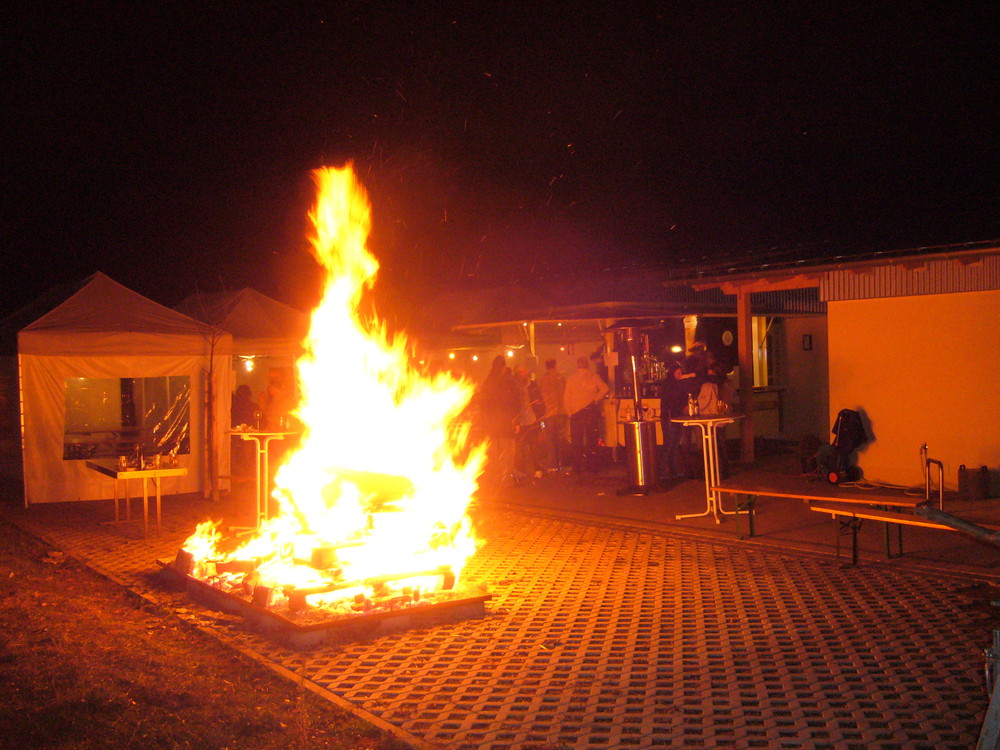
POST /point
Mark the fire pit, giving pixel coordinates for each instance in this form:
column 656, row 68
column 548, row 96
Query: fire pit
column 292, row 617
column 370, row 529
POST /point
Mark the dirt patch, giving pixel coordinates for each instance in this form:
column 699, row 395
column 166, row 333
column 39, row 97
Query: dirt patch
column 85, row 664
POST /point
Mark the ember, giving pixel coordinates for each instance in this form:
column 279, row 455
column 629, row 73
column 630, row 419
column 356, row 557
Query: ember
column 371, row 505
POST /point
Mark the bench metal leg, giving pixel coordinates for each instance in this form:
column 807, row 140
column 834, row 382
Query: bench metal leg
column 849, row 525
column 747, row 506
column 888, row 539
column 888, row 535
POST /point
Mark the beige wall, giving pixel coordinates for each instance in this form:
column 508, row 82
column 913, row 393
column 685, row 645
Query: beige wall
column 923, row 369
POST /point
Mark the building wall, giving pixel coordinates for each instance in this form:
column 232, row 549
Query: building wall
column 922, row 369
column 805, row 375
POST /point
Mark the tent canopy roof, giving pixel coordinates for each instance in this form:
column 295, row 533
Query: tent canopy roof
column 259, row 324
column 93, row 315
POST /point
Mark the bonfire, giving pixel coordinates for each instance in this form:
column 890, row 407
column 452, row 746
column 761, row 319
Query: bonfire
column 371, row 504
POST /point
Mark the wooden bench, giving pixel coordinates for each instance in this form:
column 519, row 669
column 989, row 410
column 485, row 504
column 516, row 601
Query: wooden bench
column 851, row 507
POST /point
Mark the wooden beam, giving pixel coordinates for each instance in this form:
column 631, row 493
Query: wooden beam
column 745, row 351
column 762, row 284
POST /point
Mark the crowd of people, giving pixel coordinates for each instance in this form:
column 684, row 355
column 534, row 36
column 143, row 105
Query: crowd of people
column 540, row 425
column 548, row 424
column 554, row 423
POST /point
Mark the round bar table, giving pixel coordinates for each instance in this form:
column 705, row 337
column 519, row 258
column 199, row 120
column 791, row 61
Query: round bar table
column 262, row 471
column 708, row 425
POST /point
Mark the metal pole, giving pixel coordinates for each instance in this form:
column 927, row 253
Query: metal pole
column 959, row 524
column 636, row 393
column 989, row 736
column 744, row 336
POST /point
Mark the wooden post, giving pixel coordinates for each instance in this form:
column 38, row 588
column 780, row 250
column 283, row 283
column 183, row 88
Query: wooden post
column 744, row 333
column 211, row 424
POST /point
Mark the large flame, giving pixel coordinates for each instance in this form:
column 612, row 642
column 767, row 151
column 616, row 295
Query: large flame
column 382, row 474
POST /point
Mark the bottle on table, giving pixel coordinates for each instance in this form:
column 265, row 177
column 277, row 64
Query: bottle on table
column 692, row 405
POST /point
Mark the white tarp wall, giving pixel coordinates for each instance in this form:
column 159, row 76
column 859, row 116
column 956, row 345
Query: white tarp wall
column 106, row 330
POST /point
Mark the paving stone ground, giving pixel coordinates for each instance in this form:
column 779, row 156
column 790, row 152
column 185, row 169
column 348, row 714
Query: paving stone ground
column 621, row 635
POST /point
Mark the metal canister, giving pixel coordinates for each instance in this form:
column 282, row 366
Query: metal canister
column 640, row 452
column 973, row 484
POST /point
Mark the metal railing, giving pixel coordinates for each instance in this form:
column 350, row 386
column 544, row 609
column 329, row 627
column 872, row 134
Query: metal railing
column 940, row 478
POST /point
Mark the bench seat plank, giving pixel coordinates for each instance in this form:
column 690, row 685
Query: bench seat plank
column 773, row 484
column 888, row 516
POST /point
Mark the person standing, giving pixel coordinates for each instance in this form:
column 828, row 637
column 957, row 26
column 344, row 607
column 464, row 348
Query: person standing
column 582, row 398
column 683, row 384
column 277, row 401
column 243, row 408
column 554, row 420
column 714, row 399
column 243, row 413
column 499, row 406
column 674, row 402
column 528, row 440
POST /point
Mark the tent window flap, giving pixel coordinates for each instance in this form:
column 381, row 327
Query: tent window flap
column 110, row 417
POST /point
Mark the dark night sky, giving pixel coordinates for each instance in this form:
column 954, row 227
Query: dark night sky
column 169, row 145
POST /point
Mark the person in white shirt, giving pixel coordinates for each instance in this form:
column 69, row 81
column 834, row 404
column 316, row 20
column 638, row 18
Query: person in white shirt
column 581, row 399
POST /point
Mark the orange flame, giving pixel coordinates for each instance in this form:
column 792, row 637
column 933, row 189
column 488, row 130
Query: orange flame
column 383, row 473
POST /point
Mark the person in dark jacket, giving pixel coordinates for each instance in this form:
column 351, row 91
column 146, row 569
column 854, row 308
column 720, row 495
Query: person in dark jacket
column 499, row 403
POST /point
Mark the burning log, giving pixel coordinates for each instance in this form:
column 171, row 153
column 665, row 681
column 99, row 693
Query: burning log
column 325, row 557
column 381, row 488
column 235, row 566
column 262, row 595
column 378, row 583
column 250, row 581
column 297, row 597
column 184, row 562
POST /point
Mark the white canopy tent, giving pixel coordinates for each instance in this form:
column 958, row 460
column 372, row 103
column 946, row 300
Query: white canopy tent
column 261, row 326
column 267, row 335
column 107, row 332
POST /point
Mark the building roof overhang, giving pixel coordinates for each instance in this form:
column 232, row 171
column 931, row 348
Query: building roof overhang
column 806, row 274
